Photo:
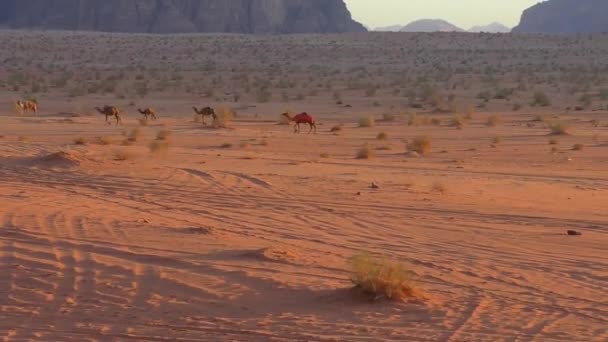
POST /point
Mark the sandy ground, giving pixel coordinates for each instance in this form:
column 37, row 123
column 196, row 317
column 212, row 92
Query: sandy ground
column 251, row 242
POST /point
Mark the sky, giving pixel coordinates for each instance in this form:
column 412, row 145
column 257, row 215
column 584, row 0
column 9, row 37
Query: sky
column 462, row 13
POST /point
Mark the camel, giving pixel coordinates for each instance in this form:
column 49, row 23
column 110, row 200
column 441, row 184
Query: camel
column 109, row 111
column 148, row 112
column 25, row 106
column 303, row 118
column 207, row 111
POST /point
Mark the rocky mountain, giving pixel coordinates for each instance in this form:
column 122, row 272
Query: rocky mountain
column 431, row 25
column 565, row 16
column 180, row 16
column 491, row 28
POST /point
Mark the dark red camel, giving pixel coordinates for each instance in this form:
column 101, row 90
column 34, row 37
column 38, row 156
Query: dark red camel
column 303, row 118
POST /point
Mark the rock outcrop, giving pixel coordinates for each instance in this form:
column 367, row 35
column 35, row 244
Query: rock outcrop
column 565, row 16
column 180, row 16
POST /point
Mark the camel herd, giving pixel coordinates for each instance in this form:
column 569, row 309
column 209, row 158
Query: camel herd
column 149, row 113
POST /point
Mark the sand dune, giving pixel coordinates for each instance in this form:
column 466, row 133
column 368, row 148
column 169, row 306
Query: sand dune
column 249, row 243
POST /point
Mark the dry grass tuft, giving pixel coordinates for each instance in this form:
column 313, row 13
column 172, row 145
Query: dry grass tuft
column 578, row 147
column 382, row 278
column 324, row 155
column 382, row 136
column 336, row 128
column 226, row 145
column 80, row 141
column 134, row 135
column 420, row 145
column 164, row 135
column 159, row 147
column 493, row 121
column 458, row 122
column 103, row 140
column 224, row 117
column 559, row 129
column 439, row 187
column 553, row 141
column 366, row 152
column 122, row 155
column 367, row 121
column 388, row 117
column 497, row 140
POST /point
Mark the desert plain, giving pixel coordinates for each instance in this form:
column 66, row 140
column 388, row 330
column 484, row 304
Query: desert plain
column 466, row 157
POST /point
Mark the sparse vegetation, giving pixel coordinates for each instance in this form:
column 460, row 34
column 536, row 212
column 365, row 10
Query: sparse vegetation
column 80, row 141
column 493, row 121
column 578, row 147
column 382, row 278
column 382, row 136
column 559, row 129
column 439, row 187
column 420, row 145
column 367, row 121
column 366, row 152
column 159, row 147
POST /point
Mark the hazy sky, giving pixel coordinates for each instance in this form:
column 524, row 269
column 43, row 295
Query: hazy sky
column 463, row 13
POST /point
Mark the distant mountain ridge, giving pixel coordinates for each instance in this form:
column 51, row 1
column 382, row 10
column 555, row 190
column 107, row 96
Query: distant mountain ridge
column 491, row 28
column 439, row 25
column 180, row 16
column 565, row 16
column 431, row 25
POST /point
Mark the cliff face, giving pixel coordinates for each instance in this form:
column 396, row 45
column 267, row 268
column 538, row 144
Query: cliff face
column 180, row 16
column 565, row 16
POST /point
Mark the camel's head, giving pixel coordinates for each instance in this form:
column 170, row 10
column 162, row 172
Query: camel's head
column 286, row 115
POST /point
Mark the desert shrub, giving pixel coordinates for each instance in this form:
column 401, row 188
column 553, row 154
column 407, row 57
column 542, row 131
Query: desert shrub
column 497, row 140
column 420, row 145
column 367, row 121
column 578, row 147
column 541, row 99
column 336, row 128
column 122, row 155
column 553, row 141
column 159, row 147
column 223, row 117
column 382, row 136
column 103, row 140
column 366, row 152
column 493, row 121
column 283, row 120
column 134, row 135
column 163, row 135
column 435, row 121
column 226, row 145
column 324, row 155
column 439, row 187
column 413, row 120
column 381, row 278
column 23, row 138
column 559, row 129
column 388, row 117
column 80, row 141
column 457, row 121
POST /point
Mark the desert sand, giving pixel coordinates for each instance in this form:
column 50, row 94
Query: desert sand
column 243, row 233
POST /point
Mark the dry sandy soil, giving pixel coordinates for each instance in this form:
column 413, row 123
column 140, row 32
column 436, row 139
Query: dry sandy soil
column 243, row 234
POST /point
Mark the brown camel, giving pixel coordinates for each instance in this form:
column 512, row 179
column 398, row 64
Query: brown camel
column 110, row 111
column 204, row 112
column 148, row 112
column 303, row 118
column 27, row 106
